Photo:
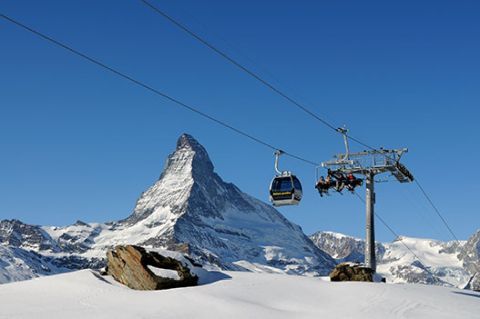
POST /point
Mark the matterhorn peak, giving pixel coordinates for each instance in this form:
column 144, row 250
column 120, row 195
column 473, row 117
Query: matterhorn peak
column 189, row 157
column 189, row 163
column 188, row 141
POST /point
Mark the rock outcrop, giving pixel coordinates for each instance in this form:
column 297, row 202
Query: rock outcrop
column 351, row 272
column 139, row 269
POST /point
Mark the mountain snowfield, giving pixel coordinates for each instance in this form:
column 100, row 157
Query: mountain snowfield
column 439, row 263
column 85, row 294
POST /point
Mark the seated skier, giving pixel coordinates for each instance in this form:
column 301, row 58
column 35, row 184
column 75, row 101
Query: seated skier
column 322, row 186
column 351, row 182
column 328, row 181
column 340, row 180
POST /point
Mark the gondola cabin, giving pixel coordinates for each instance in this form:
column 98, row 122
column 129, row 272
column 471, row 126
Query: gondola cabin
column 285, row 190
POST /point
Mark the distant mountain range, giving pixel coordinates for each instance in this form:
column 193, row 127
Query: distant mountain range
column 440, row 263
column 191, row 209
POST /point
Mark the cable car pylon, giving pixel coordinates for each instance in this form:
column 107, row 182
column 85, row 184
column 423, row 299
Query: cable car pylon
column 341, row 173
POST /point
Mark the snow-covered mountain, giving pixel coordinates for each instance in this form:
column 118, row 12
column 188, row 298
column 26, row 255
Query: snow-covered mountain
column 191, row 209
column 441, row 263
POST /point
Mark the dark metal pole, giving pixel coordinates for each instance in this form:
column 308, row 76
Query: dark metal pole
column 370, row 260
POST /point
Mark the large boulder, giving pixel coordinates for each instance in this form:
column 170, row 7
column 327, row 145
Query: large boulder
column 140, row 269
column 351, row 272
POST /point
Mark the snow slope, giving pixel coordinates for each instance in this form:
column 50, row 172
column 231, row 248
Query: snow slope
column 84, row 294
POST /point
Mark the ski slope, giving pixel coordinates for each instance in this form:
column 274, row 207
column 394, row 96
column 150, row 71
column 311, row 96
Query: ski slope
column 85, row 294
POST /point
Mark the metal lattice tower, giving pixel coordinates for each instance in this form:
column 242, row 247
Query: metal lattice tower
column 370, row 163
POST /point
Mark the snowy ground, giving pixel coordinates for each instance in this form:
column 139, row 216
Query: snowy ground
column 84, row 294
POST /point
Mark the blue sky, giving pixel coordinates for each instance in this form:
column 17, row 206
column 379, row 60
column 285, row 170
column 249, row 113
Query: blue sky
column 80, row 143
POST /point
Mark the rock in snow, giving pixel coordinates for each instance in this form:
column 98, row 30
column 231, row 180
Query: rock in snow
column 189, row 209
column 139, row 269
column 351, row 272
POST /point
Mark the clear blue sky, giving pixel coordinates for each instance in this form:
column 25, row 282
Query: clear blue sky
column 80, row 143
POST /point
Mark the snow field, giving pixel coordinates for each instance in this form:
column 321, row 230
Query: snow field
column 85, row 294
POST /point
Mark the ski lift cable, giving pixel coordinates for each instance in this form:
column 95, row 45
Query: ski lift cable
column 237, row 64
column 436, row 210
column 417, row 205
column 253, row 74
column 396, row 235
column 257, row 76
column 286, row 96
column 151, row 89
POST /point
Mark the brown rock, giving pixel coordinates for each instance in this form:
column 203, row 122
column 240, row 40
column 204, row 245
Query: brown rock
column 129, row 266
column 351, row 272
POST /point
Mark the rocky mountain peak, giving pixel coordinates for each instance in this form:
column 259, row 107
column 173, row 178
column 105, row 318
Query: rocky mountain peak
column 189, row 164
column 17, row 234
column 188, row 141
column 191, row 155
column 339, row 246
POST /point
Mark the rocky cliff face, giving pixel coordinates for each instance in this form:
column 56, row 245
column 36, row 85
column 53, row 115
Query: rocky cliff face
column 190, row 208
column 470, row 255
column 441, row 263
column 16, row 234
column 343, row 248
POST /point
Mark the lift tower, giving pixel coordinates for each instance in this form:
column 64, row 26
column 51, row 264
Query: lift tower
column 370, row 163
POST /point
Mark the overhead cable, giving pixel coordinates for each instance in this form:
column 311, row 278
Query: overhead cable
column 151, row 89
column 398, row 237
column 436, row 210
